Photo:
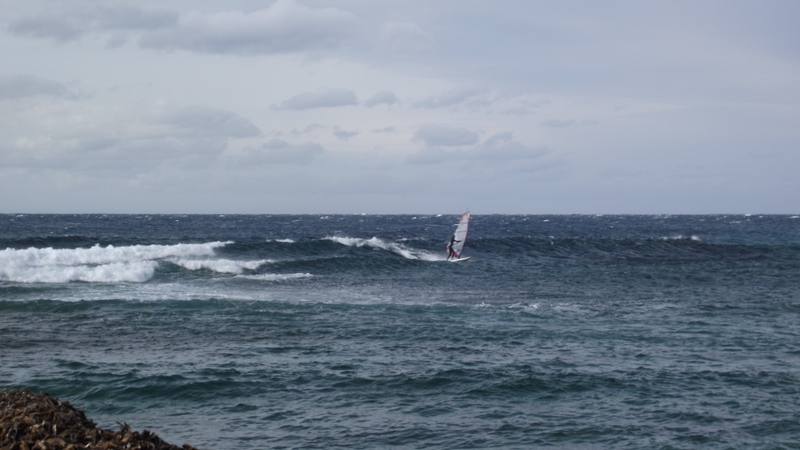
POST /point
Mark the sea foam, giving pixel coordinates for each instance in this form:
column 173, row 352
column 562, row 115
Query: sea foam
column 220, row 265
column 110, row 264
column 377, row 243
column 275, row 276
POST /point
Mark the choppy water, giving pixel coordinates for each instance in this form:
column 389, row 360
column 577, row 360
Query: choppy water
column 251, row 332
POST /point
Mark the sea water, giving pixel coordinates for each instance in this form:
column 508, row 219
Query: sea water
column 309, row 331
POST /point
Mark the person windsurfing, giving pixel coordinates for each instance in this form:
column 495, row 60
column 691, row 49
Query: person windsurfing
column 450, row 252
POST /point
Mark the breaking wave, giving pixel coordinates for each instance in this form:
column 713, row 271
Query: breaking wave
column 275, row 276
column 377, row 243
column 220, row 265
column 110, row 264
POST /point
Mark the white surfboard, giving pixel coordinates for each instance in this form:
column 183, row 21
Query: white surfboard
column 460, row 259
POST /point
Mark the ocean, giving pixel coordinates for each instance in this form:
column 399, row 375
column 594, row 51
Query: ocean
column 352, row 331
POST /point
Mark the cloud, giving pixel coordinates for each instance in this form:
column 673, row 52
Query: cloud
column 382, row 97
column 14, row 87
column 308, row 129
column 342, row 134
column 385, row 130
column 437, row 135
column 396, row 36
column 453, row 97
column 556, row 123
column 80, row 139
column 284, row 27
column 322, row 98
column 204, row 121
column 499, row 147
column 518, row 111
column 75, row 23
column 278, row 151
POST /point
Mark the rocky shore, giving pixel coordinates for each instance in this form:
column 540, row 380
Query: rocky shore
column 30, row 421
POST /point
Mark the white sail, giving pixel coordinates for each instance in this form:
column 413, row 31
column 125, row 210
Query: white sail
column 461, row 234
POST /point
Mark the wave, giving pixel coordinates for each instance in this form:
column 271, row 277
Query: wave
column 116, row 272
column 220, row 265
column 110, row 264
column 400, row 249
column 275, row 276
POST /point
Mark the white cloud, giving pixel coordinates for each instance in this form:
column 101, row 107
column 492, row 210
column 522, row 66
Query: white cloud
column 381, row 97
column 284, row 27
column 437, row 135
column 322, row 98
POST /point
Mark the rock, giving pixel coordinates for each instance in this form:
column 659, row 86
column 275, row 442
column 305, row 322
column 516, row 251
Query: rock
column 31, row 421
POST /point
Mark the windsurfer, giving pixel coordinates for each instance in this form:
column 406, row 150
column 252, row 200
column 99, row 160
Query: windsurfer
column 450, row 252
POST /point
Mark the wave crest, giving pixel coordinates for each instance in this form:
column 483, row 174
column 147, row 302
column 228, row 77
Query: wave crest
column 110, row 264
column 400, row 249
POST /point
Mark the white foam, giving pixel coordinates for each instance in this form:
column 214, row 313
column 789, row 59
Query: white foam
column 135, row 272
column 134, row 263
column 220, row 265
column 275, row 276
column 282, row 241
column 679, row 237
column 393, row 247
column 42, row 257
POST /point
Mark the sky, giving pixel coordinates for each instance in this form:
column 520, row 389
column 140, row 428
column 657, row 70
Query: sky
column 395, row 107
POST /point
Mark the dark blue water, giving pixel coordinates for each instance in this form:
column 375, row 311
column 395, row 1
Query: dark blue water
column 252, row 332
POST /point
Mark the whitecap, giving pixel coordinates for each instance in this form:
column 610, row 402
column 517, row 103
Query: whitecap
column 136, row 272
column 220, row 265
column 275, row 276
column 393, row 247
column 110, row 264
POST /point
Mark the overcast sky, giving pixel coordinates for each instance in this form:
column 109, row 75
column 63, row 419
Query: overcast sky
column 363, row 106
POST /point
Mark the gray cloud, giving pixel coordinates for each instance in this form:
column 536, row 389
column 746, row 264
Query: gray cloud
column 437, row 135
column 343, row 134
column 129, row 155
column 284, row 27
column 21, row 86
column 76, row 23
column 184, row 138
column 278, row 151
column 385, row 130
column 404, row 37
column 322, row 98
column 518, row 111
column 203, row 121
column 499, row 147
column 382, row 97
column 556, row 123
column 453, row 97
column 308, row 129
